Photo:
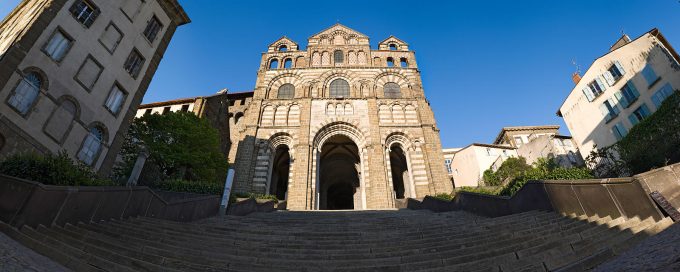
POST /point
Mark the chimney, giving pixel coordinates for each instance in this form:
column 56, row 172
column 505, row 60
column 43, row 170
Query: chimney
column 620, row 42
column 576, row 77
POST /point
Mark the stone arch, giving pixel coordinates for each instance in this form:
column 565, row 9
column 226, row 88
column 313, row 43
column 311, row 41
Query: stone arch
column 292, row 77
column 281, row 116
column 389, row 76
column 237, row 117
column 44, row 80
column 384, row 114
column 267, row 115
column 361, row 57
column 351, row 57
column 337, row 127
column 400, row 138
column 294, row 115
column 316, row 59
column 325, row 58
column 351, row 77
column 278, row 139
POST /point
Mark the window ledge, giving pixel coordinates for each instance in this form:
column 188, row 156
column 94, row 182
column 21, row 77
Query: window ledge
column 632, row 102
column 611, row 118
column 654, row 83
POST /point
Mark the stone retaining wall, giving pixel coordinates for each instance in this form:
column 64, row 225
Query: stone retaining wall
column 614, row 197
column 24, row 202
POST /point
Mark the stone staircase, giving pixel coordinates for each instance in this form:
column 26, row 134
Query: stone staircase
column 342, row 241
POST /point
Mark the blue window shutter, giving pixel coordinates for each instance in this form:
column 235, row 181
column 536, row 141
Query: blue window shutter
column 589, row 94
column 633, row 90
column 609, row 78
column 649, row 74
column 619, row 67
column 599, row 82
column 657, row 99
column 645, row 111
column 633, row 119
column 622, row 100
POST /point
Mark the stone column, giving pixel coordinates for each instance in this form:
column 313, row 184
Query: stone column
column 139, row 166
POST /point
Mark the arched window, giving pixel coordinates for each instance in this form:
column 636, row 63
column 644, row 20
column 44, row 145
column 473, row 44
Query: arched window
column 288, row 63
column 390, row 62
column 338, row 57
column 404, row 63
column 274, row 64
column 283, row 48
column 339, row 88
column 286, row 91
column 393, row 47
column 238, row 117
column 392, row 90
column 25, row 93
column 91, row 146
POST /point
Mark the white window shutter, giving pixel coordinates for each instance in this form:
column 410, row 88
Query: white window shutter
column 599, row 82
column 604, row 110
column 609, row 78
column 622, row 100
column 619, row 67
column 589, row 94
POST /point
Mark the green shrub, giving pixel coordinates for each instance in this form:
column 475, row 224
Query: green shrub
column 519, row 173
column 444, row 196
column 481, row 190
column 510, row 168
column 538, row 173
column 184, row 186
column 236, row 195
column 51, row 169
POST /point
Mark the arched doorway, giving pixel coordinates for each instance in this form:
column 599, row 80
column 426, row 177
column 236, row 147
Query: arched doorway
column 278, row 184
column 400, row 173
column 339, row 174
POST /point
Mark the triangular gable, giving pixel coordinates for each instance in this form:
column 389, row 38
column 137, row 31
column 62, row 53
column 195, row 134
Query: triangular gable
column 283, row 40
column 338, row 27
column 393, row 38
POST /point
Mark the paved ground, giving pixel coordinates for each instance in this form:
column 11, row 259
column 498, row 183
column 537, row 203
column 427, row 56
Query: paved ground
column 658, row 253
column 15, row 257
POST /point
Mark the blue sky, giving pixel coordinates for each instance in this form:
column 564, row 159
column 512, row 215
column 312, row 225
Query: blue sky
column 484, row 64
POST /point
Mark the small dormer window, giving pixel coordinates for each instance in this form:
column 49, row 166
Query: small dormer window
column 283, row 48
column 393, row 47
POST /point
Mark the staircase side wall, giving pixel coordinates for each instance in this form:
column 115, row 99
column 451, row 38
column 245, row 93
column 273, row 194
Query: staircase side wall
column 30, row 203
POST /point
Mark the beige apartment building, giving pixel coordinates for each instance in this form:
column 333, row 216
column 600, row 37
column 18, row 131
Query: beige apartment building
column 466, row 165
column 534, row 142
column 72, row 73
column 620, row 89
column 470, row 162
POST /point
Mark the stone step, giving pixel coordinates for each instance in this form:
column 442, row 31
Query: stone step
column 342, row 241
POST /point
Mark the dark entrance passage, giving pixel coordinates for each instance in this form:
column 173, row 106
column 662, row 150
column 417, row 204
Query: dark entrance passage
column 400, row 174
column 280, row 171
column 339, row 175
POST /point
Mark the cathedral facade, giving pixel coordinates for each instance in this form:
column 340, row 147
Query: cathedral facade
column 339, row 126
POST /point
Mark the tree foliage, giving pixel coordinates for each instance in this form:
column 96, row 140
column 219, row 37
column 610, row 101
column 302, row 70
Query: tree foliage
column 519, row 173
column 181, row 146
column 509, row 169
column 53, row 169
column 653, row 143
